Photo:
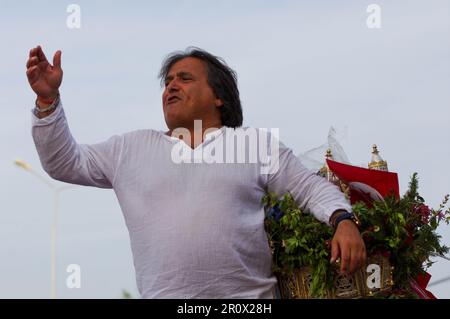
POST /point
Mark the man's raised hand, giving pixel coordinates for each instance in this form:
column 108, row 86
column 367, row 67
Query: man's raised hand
column 43, row 77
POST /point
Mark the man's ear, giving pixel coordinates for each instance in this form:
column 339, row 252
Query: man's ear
column 218, row 102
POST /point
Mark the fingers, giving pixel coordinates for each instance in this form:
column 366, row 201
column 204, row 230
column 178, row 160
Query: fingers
column 357, row 257
column 37, row 55
column 32, row 70
column 41, row 54
column 334, row 251
column 33, row 52
column 37, row 52
column 32, row 61
column 57, row 60
column 32, row 73
column 348, row 245
column 355, row 262
column 345, row 260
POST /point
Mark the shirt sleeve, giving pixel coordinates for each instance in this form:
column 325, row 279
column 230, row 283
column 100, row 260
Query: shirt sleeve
column 311, row 192
column 65, row 160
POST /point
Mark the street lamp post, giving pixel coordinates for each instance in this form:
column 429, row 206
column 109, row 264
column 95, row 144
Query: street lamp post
column 56, row 193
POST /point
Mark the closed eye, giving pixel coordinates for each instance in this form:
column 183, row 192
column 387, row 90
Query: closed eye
column 184, row 76
column 166, row 82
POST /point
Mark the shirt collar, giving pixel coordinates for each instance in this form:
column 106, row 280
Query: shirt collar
column 208, row 136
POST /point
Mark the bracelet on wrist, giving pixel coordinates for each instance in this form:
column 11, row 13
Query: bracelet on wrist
column 343, row 216
column 52, row 106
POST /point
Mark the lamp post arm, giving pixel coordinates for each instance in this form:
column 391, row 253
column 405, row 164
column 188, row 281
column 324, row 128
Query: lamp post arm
column 43, row 179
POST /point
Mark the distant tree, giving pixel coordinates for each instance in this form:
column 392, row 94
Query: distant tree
column 126, row 294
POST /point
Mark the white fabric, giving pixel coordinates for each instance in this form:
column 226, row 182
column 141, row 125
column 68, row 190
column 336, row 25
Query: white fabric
column 314, row 159
column 196, row 230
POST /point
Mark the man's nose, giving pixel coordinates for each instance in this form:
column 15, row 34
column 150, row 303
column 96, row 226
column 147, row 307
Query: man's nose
column 173, row 86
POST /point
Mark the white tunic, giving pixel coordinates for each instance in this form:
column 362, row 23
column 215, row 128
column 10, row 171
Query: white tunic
column 196, row 230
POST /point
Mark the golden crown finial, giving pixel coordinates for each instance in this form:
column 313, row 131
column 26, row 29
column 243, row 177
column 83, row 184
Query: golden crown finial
column 325, row 170
column 377, row 162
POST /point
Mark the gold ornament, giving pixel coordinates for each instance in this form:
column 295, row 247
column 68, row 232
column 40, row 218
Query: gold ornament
column 377, row 162
column 325, row 170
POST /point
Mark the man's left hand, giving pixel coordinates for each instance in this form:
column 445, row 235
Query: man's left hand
column 348, row 245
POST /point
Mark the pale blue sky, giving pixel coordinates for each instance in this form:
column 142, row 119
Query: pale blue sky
column 302, row 65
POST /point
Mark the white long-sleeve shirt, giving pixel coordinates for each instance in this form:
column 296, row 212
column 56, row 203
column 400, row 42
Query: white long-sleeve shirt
column 196, row 229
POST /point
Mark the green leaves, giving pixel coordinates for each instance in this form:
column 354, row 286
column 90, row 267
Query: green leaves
column 405, row 228
column 299, row 240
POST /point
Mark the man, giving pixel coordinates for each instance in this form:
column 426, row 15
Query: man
column 196, row 229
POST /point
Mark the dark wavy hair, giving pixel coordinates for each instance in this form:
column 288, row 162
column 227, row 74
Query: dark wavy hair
column 221, row 78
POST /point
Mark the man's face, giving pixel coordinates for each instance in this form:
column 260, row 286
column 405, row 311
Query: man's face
column 187, row 96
